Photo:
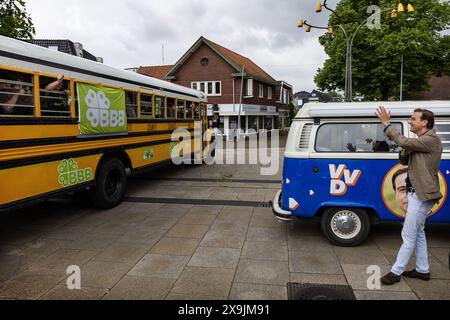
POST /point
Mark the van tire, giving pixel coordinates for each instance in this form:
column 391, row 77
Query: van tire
column 110, row 184
column 356, row 220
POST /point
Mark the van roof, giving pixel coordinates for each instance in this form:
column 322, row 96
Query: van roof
column 368, row 109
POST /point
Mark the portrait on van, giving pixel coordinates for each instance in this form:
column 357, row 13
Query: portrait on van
column 394, row 191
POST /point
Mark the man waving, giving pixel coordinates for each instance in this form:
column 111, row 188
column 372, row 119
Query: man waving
column 422, row 184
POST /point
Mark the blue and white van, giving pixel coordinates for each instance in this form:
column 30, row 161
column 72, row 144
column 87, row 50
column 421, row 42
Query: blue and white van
column 340, row 167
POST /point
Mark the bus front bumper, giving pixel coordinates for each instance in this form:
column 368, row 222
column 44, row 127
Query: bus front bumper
column 280, row 214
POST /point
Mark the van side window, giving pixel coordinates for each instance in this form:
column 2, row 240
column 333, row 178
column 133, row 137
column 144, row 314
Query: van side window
column 355, row 137
column 16, row 93
column 443, row 131
column 55, row 97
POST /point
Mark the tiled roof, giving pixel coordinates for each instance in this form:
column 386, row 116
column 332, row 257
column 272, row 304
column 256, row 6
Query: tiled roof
column 250, row 67
column 236, row 60
column 158, row 72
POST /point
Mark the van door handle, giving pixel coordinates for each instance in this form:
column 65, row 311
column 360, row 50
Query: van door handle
column 315, row 170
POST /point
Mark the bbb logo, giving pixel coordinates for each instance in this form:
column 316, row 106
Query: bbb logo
column 339, row 187
column 98, row 112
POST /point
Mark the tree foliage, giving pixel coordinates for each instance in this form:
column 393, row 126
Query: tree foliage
column 377, row 53
column 15, row 22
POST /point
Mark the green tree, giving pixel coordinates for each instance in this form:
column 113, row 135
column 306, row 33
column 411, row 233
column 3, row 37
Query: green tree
column 377, row 53
column 15, row 22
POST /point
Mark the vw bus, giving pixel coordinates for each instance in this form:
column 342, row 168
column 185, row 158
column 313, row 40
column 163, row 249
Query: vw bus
column 340, row 167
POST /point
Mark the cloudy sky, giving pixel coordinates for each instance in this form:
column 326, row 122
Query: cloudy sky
column 130, row 33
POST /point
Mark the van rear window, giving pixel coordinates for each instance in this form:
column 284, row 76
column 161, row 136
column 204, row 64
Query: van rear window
column 443, row 131
column 355, row 137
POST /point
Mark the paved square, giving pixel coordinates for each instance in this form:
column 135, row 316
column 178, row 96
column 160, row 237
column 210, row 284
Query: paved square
column 207, row 251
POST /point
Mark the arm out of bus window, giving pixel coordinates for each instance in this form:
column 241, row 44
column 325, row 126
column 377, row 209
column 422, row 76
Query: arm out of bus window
column 421, row 144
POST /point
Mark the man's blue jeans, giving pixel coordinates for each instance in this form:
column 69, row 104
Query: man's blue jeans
column 413, row 235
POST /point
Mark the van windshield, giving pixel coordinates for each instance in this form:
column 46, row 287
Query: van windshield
column 355, row 137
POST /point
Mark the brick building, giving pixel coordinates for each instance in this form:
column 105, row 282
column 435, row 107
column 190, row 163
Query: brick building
column 218, row 72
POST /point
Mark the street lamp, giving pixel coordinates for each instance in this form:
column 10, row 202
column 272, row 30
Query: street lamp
column 349, row 43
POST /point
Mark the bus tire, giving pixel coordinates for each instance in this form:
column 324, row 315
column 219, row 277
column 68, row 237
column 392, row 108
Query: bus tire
column 346, row 227
column 110, row 184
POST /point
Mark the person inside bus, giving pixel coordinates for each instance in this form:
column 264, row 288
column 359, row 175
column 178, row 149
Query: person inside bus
column 399, row 185
column 13, row 95
column 56, row 85
column 22, row 96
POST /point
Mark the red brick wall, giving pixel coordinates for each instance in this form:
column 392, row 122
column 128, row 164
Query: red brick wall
column 218, row 70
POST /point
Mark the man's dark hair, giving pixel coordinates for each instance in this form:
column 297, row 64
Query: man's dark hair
column 396, row 174
column 428, row 116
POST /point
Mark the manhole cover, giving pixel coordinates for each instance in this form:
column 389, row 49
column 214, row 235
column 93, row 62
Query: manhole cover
column 297, row 291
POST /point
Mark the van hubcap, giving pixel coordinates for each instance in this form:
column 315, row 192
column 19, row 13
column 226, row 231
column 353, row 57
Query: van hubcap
column 346, row 224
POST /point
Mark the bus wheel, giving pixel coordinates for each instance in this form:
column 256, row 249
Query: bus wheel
column 110, row 184
column 346, row 227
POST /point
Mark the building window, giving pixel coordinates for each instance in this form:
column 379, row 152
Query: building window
column 249, row 88
column 261, row 91
column 218, row 88
column 269, row 93
column 253, row 123
column 204, row 62
column 209, row 88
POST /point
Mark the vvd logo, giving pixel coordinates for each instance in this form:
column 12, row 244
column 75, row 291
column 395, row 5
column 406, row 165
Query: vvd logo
column 339, row 187
column 98, row 112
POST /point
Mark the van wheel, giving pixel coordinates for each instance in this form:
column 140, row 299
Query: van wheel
column 346, row 227
column 110, row 184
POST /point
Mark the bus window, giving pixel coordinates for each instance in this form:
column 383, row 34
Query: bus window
column 159, row 104
column 355, row 137
column 189, row 109
column 171, row 108
column 16, row 93
column 180, row 109
column 131, row 104
column 196, row 111
column 204, row 110
column 55, row 97
column 146, row 105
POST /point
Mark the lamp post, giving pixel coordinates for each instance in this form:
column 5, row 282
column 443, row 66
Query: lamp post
column 349, row 43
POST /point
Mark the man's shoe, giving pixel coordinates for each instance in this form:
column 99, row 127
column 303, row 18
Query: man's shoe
column 390, row 279
column 417, row 275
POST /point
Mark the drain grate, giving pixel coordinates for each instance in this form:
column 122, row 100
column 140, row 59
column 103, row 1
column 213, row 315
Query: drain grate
column 297, row 291
column 266, row 204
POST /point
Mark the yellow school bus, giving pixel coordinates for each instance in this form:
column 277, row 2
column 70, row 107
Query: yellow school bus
column 67, row 123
